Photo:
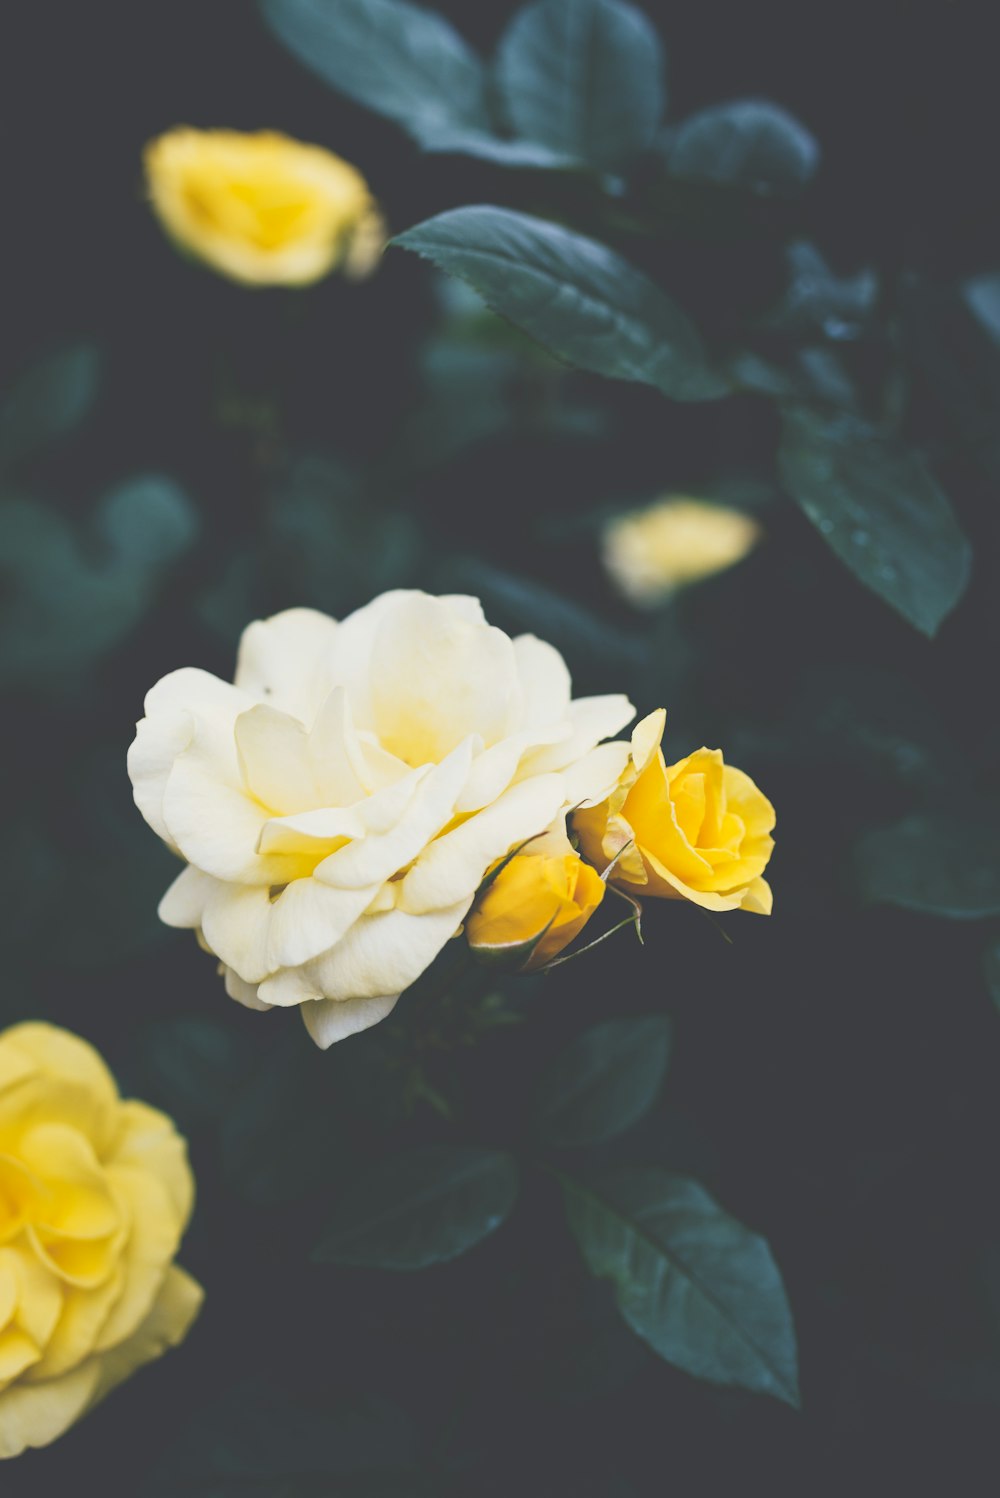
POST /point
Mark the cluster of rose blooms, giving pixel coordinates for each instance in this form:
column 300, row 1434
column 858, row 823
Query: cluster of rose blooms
column 364, row 793
column 370, row 789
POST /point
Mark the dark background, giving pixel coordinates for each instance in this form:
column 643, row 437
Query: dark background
column 834, row 1080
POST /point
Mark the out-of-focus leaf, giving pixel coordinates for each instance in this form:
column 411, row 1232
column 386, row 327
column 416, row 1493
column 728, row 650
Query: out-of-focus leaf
column 936, row 864
column 259, row 1438
column 948, row 339
column 748, row 143
column 698, row 1286
column 603, row 1082
column 572, row 295
column 404, row 62
column 48, row 402
column 526, row 154
column 337, row 548
column 467, row 398
column 982, row 296
column 877, row 505
column 816, row 298
column 419, row 1208
column 64, row 606
column 147, row 521
column 583, row 78
column 192, row 1066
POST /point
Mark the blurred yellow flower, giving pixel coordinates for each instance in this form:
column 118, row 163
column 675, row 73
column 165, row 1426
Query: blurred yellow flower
column 672, row 543
column 698, row 830
column 534, row 907
column 261, row 208
column 95, row 1193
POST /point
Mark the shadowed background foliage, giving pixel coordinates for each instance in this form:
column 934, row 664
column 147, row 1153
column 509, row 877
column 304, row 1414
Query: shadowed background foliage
column 224, row 453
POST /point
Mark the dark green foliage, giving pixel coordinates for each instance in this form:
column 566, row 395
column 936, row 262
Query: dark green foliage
column 603, row 1082
column 422, row 1207
column 878, row 506
column 699, row 1287
column 786, row 302
column 936, row 864
column 574, row 297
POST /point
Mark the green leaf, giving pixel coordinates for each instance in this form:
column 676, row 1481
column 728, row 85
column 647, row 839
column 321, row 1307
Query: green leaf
column 748, row 143
column 404, row 62
column 422, row 1207
column 699, row 1287
column 604, row 1081
column 583, row 78
column 48, row 402
column 191, row 1066
column 938, row 865
column 147, row 521
column 878, row 506
column 526, row 154
column 573, row 296
column 982, row 297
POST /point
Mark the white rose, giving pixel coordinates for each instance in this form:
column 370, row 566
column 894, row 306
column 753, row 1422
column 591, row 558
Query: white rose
column 340, row 804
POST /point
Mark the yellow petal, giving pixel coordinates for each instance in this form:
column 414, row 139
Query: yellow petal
column 166, row 1325
column 36, row 1414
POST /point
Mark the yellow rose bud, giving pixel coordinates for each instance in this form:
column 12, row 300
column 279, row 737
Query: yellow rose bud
column 672, row 543
column 262, row 208
column 95, row 1193
column 533, row 908
column 698, row 830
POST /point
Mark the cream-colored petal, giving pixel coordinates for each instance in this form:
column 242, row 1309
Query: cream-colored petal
column 453, row 866
column 244, row 993
column 183, row 905
column 494, row 769
column 436, row 679
column 308, row 917
column 178, row 706
column 593, row 777
column 274, row 761
column 383, row 954
column 545, row 682
column 236, row 924
column 591, row 719
column 379, row 855
column 286, row 661
column 328, row 1021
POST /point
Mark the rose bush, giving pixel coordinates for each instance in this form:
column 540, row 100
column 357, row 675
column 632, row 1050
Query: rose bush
column 261, row 208
column 95, row 1193
column 698, row 830
column 339, row 805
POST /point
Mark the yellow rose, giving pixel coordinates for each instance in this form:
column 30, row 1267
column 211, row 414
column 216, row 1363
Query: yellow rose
column 698, row 830
column 534, row 907
column 95, row 1193
column 672, row 543
column 261, row 208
